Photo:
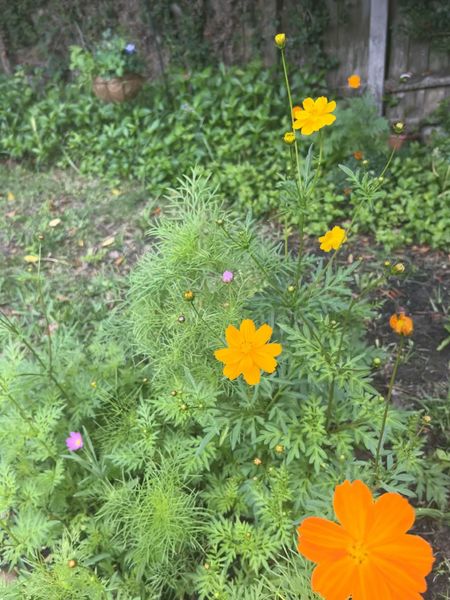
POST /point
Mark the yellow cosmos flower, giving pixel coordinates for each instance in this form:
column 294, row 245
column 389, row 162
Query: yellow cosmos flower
column 354, row 81
column 314, row 115
column 248, row 352
column 333, row 239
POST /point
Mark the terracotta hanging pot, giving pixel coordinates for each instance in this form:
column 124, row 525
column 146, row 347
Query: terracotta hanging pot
column 117, row 89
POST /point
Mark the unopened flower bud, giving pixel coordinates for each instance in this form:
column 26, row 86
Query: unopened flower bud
column 376, row 362
column 426, row 418
column 398, row 268
column 365, row 162
column 398, row 127
column 291, row 288
column 289, row 137
column 183, row 407
column 257, row 461
column 279, row 448
column 219, row 222
column 181, row 319
column 387, row 263
column 188, row 295
column 72, row 563
column 173, row 393
column 280, row 40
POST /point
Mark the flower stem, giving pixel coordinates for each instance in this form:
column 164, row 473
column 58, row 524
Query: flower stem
column 44, row 310
column 388, row 401
column 13, row 329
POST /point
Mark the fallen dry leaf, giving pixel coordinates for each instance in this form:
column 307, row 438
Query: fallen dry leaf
column 109, row 241
column 31, row 258
column 10, row 197
column 54, row 222
column 119, row 260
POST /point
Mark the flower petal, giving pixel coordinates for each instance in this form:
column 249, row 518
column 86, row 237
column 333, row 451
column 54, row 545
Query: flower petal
column 232, row 371
column 233, row 336
column 296, row 111
column 264, row 360
column 330, row 106
column 390, row 516
column 252, row 375
column 321, row 104
column 273, row 349
column 308, row 129
column 368, row 584
column 409, row 553
column 308, row 104
column 352, row 503
column 248, row 330
column 228, row 355
column 328, row 119
column 262, row 335
column 333, row 580
column 322, row 540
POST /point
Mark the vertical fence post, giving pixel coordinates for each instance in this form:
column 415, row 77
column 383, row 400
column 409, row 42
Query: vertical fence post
column 377, row 49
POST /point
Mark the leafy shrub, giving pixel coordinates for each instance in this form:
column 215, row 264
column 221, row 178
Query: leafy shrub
column 224, row 121
column 189, row 485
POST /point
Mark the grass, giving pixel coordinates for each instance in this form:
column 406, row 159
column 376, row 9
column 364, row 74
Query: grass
column 86, row 234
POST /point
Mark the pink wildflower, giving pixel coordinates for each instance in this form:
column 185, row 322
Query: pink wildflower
column 227, row 277
column 74, row 441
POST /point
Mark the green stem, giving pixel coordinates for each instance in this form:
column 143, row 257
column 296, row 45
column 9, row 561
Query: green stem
column 44, row 311
column 388, row 401
column 205, row 322
column 5, row 526
column 26, row 418
column 13, row 329
column 256, row 261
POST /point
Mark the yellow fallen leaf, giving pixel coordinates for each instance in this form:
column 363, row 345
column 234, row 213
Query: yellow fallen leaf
column 81, row 243
column 115, row 192
column 31, row 258
column 108, row 242
column 10, row 197
column 54, row 222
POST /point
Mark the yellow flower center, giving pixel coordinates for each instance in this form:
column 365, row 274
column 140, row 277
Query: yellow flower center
column 358, row 552
column 246, row 347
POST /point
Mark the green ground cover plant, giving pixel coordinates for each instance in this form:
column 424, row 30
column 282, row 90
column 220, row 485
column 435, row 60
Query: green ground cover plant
column 224, row 120
column 191, row 480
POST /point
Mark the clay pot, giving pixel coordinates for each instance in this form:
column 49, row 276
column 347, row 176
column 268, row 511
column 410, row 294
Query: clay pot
column 118, row 89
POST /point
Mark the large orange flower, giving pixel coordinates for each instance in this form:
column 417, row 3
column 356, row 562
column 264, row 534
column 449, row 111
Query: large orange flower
column 314, row 115
column 248, row 352
column 369, row 556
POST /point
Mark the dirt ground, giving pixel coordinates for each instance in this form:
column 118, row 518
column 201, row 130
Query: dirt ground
column 424, row 293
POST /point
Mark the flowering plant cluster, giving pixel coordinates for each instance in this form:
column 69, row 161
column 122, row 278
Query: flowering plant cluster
column 227, row 404
column 113, row 56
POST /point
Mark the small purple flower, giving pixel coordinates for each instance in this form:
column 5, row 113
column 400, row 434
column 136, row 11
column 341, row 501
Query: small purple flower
column 227, row 277
column 130, row 48
column 74, row 441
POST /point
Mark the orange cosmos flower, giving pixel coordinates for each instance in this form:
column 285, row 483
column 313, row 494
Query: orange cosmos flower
column 248, row 352
column 401, row 324
column 333, row 239
column 314, row 115
column 358, row 155
column 369, row 556
column 354, row 81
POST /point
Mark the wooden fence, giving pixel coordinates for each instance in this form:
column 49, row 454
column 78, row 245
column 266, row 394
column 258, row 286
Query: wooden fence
column 366, row 38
